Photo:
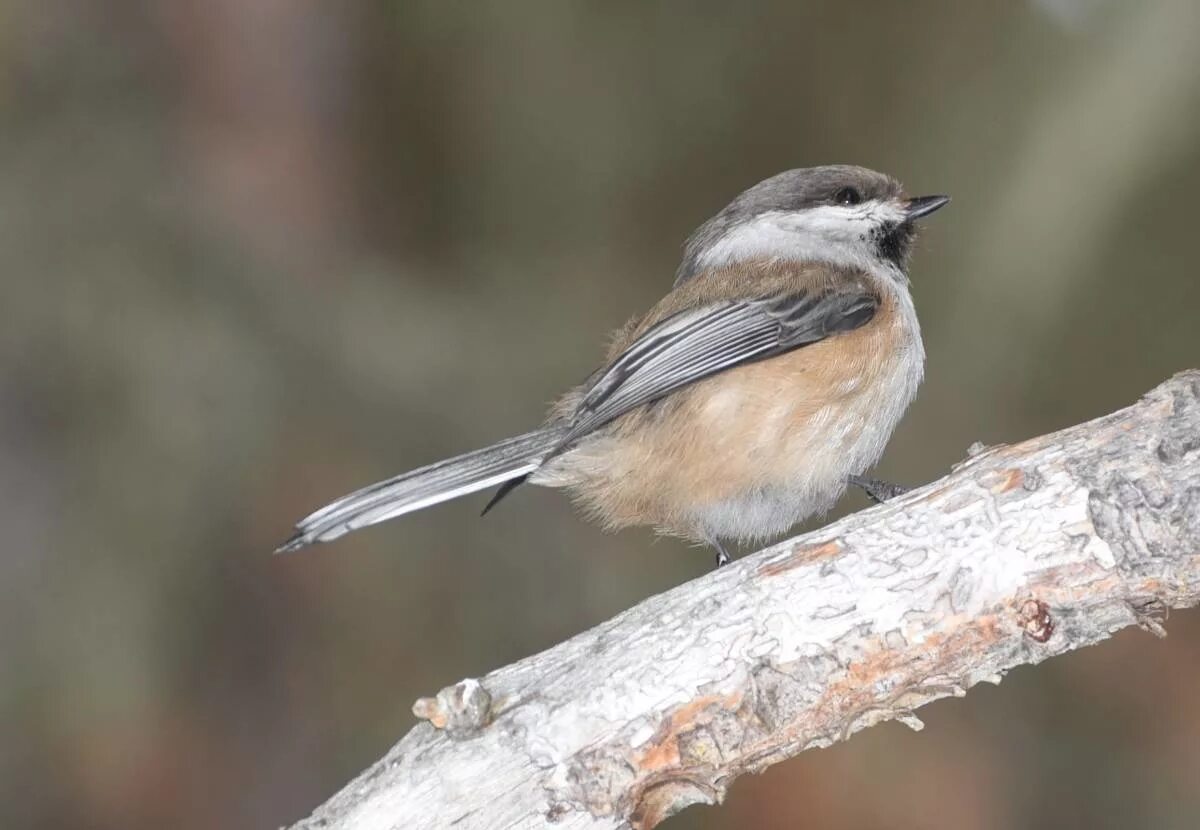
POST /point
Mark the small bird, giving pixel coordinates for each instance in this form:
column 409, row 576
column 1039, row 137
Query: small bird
column 747, row 399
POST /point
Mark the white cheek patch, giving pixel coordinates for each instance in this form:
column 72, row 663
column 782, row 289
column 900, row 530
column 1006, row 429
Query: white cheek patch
column 844, row 222
column 838, row 234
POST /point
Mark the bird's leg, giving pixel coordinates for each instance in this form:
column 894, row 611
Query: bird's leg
column 878, row 491
column 723, row 557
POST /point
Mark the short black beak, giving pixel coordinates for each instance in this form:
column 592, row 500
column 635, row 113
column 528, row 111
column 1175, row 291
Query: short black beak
column 924, row 205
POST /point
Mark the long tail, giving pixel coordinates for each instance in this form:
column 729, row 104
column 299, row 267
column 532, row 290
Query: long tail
column 478, row 470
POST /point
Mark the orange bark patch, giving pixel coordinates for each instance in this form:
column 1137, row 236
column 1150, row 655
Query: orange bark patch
column 802, row 555
column 1003, row 481
column 662, row 752
column 938, row 653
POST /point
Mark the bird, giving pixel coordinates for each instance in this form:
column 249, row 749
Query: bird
column 749, row 398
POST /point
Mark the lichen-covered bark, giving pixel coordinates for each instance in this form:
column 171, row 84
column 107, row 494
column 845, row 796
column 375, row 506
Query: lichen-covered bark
column 1023, row 552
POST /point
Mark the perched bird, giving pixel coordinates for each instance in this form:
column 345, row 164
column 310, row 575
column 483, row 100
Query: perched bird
column 747, row 399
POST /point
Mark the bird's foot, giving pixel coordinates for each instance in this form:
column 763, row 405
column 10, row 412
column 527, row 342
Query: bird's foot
column 878, row 491
column 723, row 557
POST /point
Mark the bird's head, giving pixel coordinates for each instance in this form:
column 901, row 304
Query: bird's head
column 838, row 214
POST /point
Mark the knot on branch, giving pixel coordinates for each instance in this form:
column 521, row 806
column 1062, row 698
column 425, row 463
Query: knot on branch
column 1036, row 621
column 664, row 800
column 461, row 710
column 1150, row 614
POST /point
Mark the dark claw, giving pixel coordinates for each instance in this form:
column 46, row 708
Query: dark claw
column 878, row 491
column 722, row 557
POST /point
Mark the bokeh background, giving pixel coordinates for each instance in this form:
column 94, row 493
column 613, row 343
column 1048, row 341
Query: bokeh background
column 256, row 254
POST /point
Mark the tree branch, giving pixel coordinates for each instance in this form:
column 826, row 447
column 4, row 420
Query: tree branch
column 1022, row 553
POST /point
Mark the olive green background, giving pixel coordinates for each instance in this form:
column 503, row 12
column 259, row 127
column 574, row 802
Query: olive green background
column 256, row 254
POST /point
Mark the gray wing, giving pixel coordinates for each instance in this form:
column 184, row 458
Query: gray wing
column 695, row 344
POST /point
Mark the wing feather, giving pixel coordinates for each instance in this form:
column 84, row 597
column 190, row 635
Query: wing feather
column 693, row 345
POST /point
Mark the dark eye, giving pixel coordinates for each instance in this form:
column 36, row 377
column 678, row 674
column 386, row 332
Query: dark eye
column 847, row 196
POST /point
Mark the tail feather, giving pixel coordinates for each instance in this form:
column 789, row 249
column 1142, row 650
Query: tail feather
column 512, row 459
column 504, row 489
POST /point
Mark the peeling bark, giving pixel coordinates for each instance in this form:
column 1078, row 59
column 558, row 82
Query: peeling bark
column 1023, row 552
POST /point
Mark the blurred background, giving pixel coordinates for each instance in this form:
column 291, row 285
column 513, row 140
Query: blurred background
column 257, row 254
